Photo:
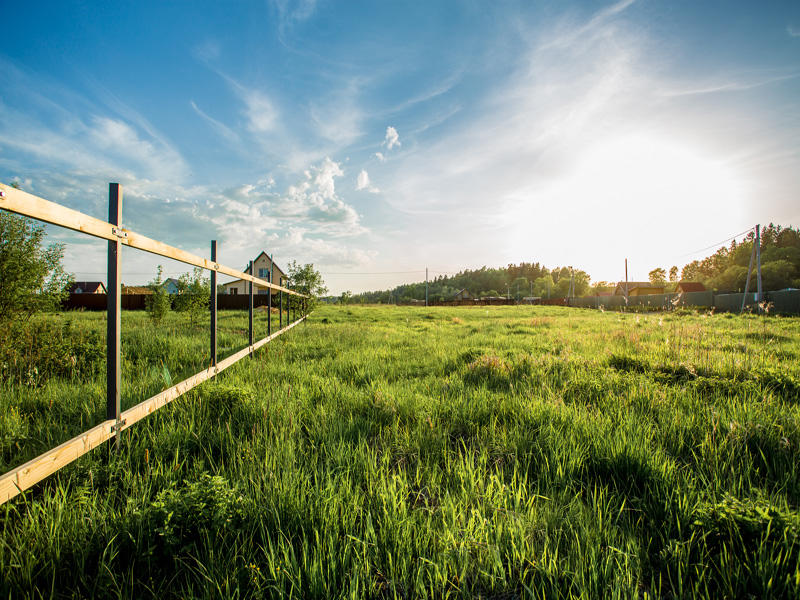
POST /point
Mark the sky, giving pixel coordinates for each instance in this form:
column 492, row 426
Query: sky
column 375, row 139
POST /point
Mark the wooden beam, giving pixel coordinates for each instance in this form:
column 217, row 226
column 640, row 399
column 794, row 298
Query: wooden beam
column 23, row 203
column 44, row 465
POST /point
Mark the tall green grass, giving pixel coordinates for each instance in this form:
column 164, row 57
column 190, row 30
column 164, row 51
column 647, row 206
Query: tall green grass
column 499, row 452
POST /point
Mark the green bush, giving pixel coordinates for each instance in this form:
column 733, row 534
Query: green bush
column 32, row 352
column 178, row 518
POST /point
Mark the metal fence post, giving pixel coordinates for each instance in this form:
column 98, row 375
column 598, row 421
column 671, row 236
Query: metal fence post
column 214, row 305
column 250, row 310
column 269, row 300
column 114, row 310
column 280, row 309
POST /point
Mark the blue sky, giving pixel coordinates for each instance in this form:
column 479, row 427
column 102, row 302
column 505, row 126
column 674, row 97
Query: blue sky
column 375, row 139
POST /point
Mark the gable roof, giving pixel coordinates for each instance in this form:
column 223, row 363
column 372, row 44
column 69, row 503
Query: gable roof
column 691, row 286
column 86, row 287
column 136, row 289
column 274, row 264
column 632, row 285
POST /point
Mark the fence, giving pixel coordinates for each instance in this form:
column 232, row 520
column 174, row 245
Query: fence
column 786, row 302
column 17, row 201
column 139, row 301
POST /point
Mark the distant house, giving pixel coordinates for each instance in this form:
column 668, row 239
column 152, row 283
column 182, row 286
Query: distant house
column 462, row 295
column 263, row 270
column 87, row 287
column 136, row 289
column 171, row 285
column 684, row 287
column 638, row 288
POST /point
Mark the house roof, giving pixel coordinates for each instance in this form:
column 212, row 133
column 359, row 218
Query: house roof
column 136, row 289
column 171, row 279
column 274, row 264
column 632, row 285
column 247, row 270
column 691, row 286
column 86, row 287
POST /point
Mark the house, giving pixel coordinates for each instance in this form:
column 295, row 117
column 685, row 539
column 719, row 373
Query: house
column 171, row 285
column 136, row 289
column 87, row 287
column 462, row 295
column 684, row 287
column 264, row 269
column 638, row 288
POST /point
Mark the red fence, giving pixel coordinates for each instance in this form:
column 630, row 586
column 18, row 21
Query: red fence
column 139, row 301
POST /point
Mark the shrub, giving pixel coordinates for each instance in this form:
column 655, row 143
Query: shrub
column 179, row 517
column 157, row 303
column 33, row 352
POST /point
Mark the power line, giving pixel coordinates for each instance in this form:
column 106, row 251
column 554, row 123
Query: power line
column 376, row 272
column 718, row 244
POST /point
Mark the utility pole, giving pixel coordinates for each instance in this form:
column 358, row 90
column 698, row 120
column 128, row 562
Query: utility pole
column 747, row 281
column 426, row 286
column 626, row 278
column 759, row 296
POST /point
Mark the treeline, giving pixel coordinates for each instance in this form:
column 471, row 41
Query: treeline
column 515, row 281
column 726, row 269
column 723, row 271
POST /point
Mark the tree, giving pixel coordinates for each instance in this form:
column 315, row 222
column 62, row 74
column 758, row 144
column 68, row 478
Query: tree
column 673, row 273
column 306, row 280
column 345, row 297
column 157, row 303
column 32, row 278
column 543, row 286
column 194, row 291
column 658, row 276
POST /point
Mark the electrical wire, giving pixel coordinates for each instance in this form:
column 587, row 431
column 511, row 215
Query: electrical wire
column 718, row 244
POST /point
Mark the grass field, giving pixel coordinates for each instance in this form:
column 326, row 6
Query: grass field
column 409, row 452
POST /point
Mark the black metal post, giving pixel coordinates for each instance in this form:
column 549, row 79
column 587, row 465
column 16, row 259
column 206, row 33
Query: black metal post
column 114, row 310
column 280, row 309
column 214, row 305
column 250, row 310
column 269, row 300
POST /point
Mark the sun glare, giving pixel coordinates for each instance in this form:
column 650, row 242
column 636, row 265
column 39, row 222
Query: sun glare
column 637, row 184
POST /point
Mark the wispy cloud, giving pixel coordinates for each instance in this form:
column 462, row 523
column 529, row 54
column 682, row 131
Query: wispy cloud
column 727, row 86
column 569, row 32
column 793, row 31
column 219, row 127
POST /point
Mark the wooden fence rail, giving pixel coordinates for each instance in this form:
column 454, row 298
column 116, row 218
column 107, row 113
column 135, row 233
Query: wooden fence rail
column 17, row 201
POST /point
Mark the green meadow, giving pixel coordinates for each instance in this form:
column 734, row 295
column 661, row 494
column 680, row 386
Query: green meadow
column 405, row 452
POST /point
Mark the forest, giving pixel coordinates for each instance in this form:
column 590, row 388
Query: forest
column 723, row 271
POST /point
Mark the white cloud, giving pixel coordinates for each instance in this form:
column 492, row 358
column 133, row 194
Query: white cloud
column 380, row 156
column 391, row 139
column 363, row 183
column 314, row 201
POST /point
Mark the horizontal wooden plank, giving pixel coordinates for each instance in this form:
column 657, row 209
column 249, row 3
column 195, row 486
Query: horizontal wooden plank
column 26, row 204
column 33, row 471
column 149, row 406
column 44, row 465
